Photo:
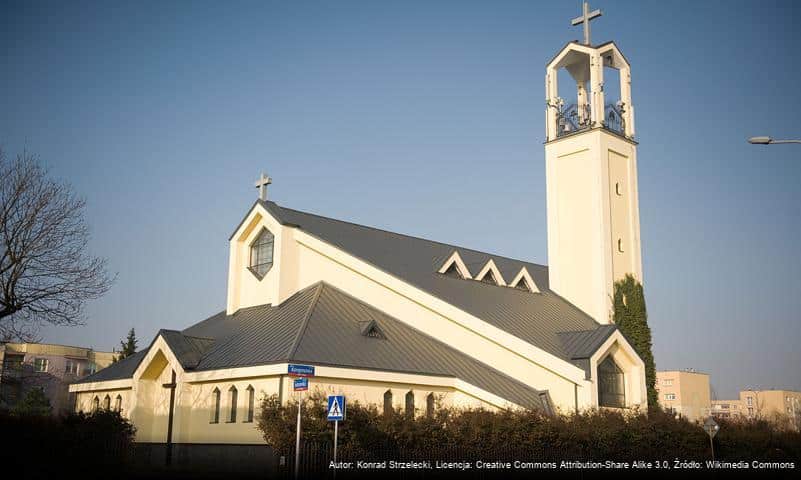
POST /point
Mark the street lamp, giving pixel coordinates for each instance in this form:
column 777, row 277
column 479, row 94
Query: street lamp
column 768, row 141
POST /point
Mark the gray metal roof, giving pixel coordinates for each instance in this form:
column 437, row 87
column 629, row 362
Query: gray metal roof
column 124, row 368
column 537, row 318
column 322, row 325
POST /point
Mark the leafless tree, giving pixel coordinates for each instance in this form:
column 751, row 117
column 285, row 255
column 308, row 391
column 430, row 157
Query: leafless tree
column 46, row 274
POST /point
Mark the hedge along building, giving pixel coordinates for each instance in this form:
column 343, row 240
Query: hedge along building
column 410, row 323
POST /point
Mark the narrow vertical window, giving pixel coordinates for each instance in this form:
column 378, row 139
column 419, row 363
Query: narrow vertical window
column 251, row 395
column 95, row 404
column 618, row 191
column 215, row 406
column 409, row 407
column 232, row 394
column 388, row 402
column 118, row 404
column 430, row 405
column 620, row 245
column 107, row 403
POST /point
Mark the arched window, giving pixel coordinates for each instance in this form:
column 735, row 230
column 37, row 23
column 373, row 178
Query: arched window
column 388, row 402
column 611, row 384
column 95, row 404
column 251, row 395
column 409, row 407
column 107, row 403
column 215, row 406
column 118, row 403
column 261, row 253
column 430, row 404
column 620, row 245
column 232, row 394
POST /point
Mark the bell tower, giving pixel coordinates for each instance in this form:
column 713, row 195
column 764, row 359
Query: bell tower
column 591, row 176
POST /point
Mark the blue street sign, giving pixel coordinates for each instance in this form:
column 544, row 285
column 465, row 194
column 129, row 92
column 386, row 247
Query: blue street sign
column 300, row 384
column 300, row 370
column 336, row 407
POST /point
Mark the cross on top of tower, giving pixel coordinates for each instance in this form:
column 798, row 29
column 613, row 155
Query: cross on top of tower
column 261, row 184
column 585, row 18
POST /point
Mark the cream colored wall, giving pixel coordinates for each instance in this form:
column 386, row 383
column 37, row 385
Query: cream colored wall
column 768, row 403
column 84, row 401
column 692, row 391
column 586, row 217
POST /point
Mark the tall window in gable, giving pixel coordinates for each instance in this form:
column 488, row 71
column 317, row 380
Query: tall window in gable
column 107, row 403
column 430, row 404
column 215, row 406
column 251, row 394
column 261, row 253
column 611, row 384
column 96, row 404
column 388, row 402
column 118, row 403
column 232, row 394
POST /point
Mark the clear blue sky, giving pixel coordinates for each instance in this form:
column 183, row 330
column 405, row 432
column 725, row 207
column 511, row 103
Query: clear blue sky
column 423, row 118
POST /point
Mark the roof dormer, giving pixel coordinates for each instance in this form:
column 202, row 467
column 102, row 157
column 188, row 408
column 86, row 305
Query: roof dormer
column 491, row 274
column 523, row 281
column 454, row 266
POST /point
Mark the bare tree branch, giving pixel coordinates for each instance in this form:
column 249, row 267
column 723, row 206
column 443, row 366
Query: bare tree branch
column 46, row 274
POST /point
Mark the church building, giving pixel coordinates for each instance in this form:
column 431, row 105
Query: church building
column 413, row 324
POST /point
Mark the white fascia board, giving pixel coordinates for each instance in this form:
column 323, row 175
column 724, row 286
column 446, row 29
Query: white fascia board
column 523, row 274
column 491, row 267
column 460, row 265
column 474, row 324
column 121, row 384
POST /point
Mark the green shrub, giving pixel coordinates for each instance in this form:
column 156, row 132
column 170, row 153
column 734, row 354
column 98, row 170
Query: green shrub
column 590, row 435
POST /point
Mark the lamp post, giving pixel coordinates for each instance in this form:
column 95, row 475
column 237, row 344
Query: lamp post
column 769, row 141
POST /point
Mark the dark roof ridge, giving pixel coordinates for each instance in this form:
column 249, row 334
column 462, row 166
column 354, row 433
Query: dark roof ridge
column 454, row 247
column 305, row 323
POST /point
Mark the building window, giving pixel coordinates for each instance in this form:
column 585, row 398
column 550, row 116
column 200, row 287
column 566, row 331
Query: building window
column 430, row 404
column 71, row 367
column 118, row 404
column 620, row 245
column 667, row 382
column 95, row 404
column 409, row 407
column 670, row 396
column 749, row 401
column 232, row 394
column 107, row 403
column 251, row 394
column 388, row 402
column 611, row 384
column 750, row 411
column 91, row 368
column 40, row 364
column 261, row 253
column 618, row 190
column 215, row 406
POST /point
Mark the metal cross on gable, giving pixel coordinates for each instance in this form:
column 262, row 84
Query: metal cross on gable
column 585, row 18
column 261, row 184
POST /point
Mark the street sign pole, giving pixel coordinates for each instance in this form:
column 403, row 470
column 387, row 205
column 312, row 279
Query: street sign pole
column 336, row 432
column 297, row 439
column 711, row 428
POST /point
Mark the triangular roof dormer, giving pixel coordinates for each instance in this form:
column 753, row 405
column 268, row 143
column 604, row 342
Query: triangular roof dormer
column 491, row 274
column 523, row 281
column 455, row 266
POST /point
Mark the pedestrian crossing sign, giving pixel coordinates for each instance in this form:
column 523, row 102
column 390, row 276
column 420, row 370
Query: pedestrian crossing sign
column 336, row 407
